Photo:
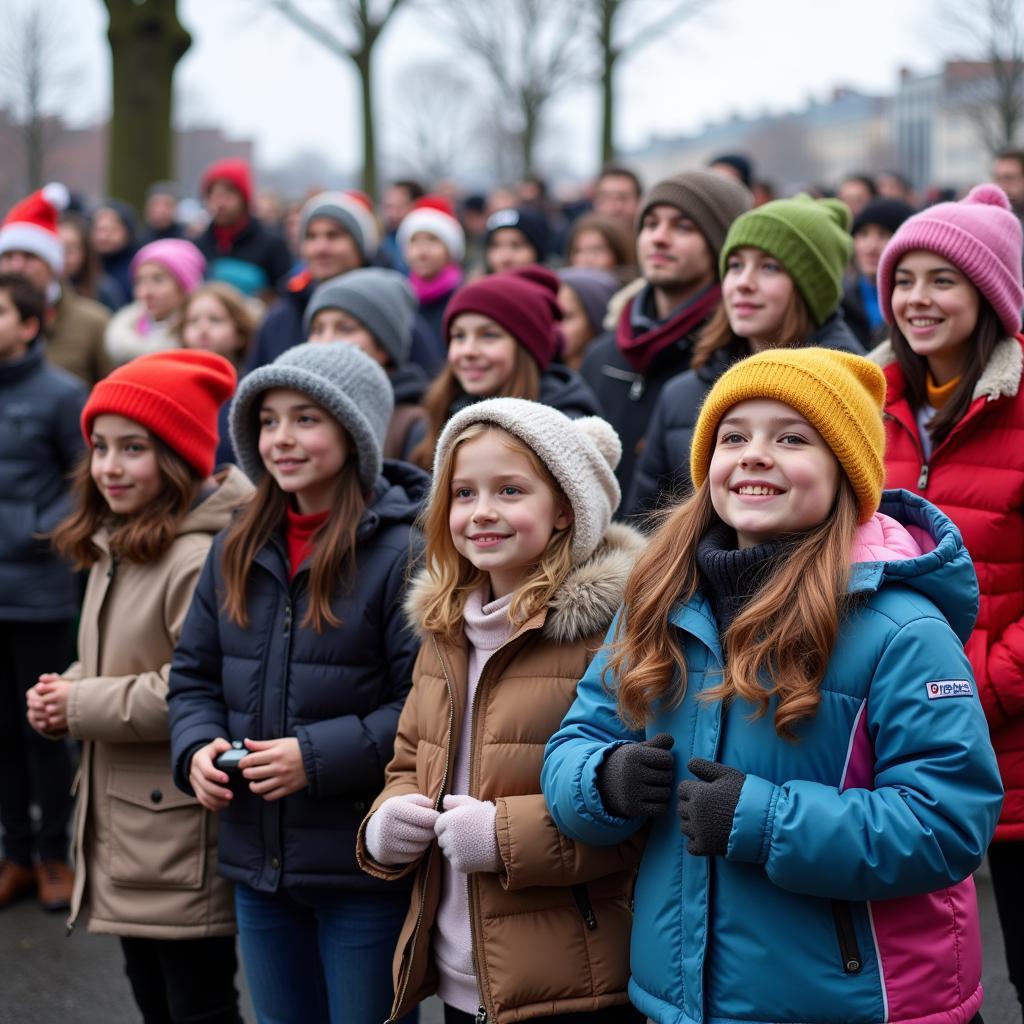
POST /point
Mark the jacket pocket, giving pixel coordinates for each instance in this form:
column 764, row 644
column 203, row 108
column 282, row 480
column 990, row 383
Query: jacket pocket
column 584, row 906
column 846, row 934
column 157, row 837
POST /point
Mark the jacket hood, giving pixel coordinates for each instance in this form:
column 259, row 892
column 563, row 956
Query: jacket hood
column 1000, row 379
column 567, row 391
column 943, row 572
column 398, row 496
column 583, row 605
column 409, row 383
column 617, row 303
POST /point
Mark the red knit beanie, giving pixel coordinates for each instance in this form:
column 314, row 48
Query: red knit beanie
column 233, row 171
column 524, row 301
column 175, row 394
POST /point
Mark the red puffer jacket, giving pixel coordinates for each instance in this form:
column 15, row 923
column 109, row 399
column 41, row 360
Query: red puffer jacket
column 976, row 476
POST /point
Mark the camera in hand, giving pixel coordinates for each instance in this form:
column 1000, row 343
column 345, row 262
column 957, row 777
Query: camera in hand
column 229, row 761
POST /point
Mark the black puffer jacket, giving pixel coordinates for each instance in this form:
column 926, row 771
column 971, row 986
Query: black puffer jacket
column 339, row 692
column 662, row 472
column 40, row 442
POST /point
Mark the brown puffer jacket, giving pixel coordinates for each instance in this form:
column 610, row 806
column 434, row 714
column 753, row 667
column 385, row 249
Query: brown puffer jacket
column 145, row 853
column 551, row 930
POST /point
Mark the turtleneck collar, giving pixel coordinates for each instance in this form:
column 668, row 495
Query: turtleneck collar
column 487, row 626
column 733, row 576
column 940, row 394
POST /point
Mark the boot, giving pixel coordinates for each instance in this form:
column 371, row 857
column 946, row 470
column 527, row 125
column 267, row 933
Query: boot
column 15, row 881
column 54, row 882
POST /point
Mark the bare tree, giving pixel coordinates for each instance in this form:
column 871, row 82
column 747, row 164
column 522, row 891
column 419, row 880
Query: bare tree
column 619, row 32
column 37, row 79
column 435, row 123
column 993, row 32
column 350, row 29
column 531, row 51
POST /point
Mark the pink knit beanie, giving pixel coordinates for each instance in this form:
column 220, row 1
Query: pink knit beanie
column 980, row 235
column 179, row 257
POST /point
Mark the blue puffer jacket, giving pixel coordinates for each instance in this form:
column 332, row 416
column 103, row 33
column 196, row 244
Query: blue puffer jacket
column 340, row 692
column 845, row 894
column 40, row 442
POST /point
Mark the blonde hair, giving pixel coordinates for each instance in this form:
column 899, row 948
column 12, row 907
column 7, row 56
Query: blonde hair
column 779, row 645
column 454, row 577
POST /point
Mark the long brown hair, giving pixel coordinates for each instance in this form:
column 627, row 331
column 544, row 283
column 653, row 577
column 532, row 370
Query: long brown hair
column 454, row 577
column 446, row 389
column 240, row 312
column 334, row 546
column 143, row 537
column 778, row 646
column 86, row 282
column 794, row 330
column 988, row 332
column 617, row 237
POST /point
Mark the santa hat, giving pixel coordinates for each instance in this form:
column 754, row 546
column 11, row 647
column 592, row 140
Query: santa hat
column 435, row 216
column 31, row 226
column 353, row 210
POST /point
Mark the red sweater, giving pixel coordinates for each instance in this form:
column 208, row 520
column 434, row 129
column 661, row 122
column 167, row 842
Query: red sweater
column 299, row 530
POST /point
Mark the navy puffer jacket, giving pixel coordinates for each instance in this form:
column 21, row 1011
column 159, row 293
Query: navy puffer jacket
column 340, row 692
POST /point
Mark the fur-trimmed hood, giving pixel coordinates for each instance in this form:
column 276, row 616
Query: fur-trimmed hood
column 1000, row 379
column 586, row 602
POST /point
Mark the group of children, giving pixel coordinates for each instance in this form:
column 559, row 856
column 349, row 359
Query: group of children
column 442, row 725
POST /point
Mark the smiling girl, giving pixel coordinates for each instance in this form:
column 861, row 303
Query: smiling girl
column 950, row 284
column 523, row 575
column 503, row 338
column 782, row 270
column 148, row 506
column 787, row 637
column 296, row 645
column 164, row 273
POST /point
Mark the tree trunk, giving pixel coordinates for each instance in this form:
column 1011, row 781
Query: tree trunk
column 35, row 151
column 528, row 139
column 608, row 59
column 146, row 42
column 364, row 65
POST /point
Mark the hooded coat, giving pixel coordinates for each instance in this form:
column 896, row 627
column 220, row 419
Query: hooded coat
column 145, row 854
column 551, row 930
column 846, row 890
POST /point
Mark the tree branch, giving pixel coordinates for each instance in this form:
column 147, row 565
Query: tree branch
column 647, row 34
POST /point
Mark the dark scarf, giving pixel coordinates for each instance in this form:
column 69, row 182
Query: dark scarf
column 640, row 351
column 731, row 576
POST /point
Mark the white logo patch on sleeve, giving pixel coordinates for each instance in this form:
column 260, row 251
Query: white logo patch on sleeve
column 939, row 688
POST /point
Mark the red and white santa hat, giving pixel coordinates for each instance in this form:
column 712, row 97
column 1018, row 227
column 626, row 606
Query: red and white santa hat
column 434, row 214
column 31, row 226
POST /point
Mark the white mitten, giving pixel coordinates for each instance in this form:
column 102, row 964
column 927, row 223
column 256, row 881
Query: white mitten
column 401, row 829
column 465, row 832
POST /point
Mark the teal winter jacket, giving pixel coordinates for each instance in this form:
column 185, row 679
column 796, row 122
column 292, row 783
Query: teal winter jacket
column 845, row 894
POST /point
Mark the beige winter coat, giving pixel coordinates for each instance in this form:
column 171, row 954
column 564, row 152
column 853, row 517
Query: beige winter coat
column 551, row 930
column 145, row 853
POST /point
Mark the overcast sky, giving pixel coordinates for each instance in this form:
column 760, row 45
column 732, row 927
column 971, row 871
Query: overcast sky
column 253, row 74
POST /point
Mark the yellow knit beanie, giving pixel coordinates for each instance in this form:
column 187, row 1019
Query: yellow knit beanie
column 839, row 394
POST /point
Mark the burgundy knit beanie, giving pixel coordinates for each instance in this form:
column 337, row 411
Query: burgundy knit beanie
column 980, row 236
column 523, row 301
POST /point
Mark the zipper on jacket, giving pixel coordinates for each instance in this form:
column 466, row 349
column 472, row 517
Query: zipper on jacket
column 481, row 1015
column 922, row 480
column 583, row 904
column 849, row 948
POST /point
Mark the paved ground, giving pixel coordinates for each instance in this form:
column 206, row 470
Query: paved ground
column 48, row 979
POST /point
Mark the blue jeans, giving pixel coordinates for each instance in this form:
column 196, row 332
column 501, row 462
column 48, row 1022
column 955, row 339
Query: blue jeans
column 320, row 956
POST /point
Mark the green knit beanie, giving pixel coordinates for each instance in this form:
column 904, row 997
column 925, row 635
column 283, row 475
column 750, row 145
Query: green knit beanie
column 809, row 237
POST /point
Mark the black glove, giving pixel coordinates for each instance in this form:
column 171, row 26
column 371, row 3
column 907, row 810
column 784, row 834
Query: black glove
column 707, row 805
column 636, row 779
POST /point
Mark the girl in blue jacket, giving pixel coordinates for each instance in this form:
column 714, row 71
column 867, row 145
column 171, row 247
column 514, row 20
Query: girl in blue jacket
column 818, row 776
column 295, row 646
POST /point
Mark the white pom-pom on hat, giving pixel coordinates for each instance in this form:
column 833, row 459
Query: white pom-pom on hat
column 989, row 195
column 604, row 437
column 57, row 195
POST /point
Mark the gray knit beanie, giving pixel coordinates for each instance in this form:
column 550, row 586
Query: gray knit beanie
column 381, row 300
column 581, row 455
column 341, row 379
column 344, row 209
column 710, row 200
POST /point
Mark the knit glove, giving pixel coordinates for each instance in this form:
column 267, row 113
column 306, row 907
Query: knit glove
column 635, row 780
column 466, row 834
column 401, row 829
column 707, row 805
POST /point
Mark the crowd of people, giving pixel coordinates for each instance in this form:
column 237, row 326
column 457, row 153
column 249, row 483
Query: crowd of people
column 591, row 614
